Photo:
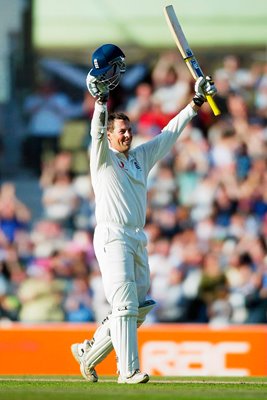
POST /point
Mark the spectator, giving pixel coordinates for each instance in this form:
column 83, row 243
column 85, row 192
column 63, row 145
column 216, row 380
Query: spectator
column 238, row 78
column 152, row 121
column 60, row 200
column 222, row 154
column 173, row 92
column 224, row 206
column 78, row 302
column 203, row 197
column 172, row 86
column 260, row 100
column 242, row 161
column 60, row 164
column 214, row 305
column 256, row 302
column 160, row 266
column 46, row 111
column 10, row 270
column 41, row 295
column 14, row 214
column 140, row 103
column 163, row 190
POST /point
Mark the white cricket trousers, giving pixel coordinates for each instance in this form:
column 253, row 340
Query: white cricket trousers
column 122, row 256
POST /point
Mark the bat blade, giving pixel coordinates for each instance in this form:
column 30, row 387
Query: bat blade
column 186, row 51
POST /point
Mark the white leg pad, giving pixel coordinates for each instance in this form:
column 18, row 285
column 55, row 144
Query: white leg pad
column 123, row 328
column 124, row 339
column 99, row 351
column 102, row 345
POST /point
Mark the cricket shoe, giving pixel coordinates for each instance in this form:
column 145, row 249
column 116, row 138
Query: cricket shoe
column 136, row 377
column 78, row 351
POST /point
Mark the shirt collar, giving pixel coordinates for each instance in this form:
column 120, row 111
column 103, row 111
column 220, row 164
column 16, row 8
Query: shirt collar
column 118, row 153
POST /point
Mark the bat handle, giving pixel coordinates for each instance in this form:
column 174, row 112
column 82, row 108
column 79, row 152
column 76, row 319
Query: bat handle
column 213, row 105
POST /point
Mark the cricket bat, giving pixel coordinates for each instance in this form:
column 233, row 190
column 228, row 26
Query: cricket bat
column 185, row 50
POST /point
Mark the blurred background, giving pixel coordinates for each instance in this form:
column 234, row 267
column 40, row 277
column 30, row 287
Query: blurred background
column 207, row 201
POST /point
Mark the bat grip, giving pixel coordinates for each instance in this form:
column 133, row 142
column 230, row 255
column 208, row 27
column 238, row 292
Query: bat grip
column 213, row 105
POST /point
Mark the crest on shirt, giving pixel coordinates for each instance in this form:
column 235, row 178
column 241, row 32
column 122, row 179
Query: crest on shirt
column 137, row 166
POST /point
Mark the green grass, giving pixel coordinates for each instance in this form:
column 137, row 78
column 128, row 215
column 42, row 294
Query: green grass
column 74, row 388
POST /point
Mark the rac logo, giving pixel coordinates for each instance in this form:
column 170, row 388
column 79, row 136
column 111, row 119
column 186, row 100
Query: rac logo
column 196, row 358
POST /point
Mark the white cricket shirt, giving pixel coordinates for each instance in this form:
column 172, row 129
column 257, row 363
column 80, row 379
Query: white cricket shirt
column 120, row 183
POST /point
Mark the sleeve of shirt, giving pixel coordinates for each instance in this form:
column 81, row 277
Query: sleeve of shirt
column 158, row 147
column 99, row 145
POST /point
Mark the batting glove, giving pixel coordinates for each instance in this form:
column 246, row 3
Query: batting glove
column 97, row 89
column 204, row 86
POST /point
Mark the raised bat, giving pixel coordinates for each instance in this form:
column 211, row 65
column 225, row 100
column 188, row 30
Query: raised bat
column 186, row 52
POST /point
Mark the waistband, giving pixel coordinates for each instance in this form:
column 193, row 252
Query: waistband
column 120, row 226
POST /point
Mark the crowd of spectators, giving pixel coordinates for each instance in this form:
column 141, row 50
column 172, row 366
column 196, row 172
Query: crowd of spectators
column 206, row 215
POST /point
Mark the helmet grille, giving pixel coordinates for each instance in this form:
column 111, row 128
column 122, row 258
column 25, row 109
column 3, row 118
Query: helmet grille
column 111, row 78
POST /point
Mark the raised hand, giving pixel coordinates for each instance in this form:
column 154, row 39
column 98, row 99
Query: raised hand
column 97, row 89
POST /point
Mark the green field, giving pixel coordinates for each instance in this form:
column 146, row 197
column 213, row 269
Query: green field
column 74, row 388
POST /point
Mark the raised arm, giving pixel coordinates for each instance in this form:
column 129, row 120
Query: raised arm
column 108, row 65
column 158, row 147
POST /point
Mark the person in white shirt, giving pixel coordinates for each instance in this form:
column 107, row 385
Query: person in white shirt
column 119, row 178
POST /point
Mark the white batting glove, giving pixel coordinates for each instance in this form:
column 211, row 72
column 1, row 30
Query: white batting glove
column 97, row 89
column 204, row 86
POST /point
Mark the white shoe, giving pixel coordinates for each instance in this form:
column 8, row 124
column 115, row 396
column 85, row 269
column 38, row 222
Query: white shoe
column 136, row 377
column 78, row 351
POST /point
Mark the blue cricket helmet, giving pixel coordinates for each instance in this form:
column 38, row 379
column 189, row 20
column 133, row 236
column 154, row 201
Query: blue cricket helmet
column 108, row 65
column 105, row 57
